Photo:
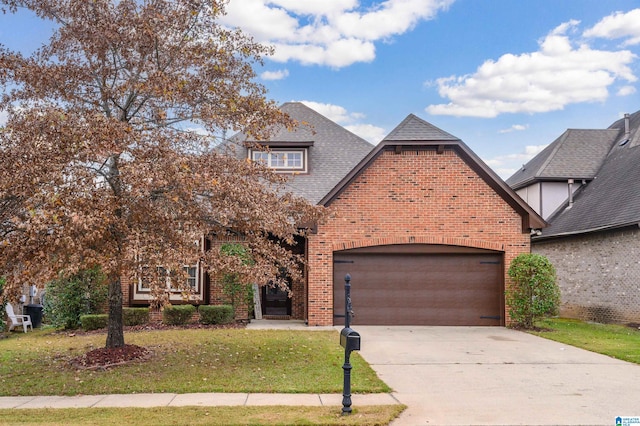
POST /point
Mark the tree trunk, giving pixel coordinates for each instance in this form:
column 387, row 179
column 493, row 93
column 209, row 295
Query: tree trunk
column 115, row 329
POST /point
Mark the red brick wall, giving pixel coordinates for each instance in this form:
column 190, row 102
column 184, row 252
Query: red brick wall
column 125, row 284
column 417, row 196
column 215, row 295
column 298, row 300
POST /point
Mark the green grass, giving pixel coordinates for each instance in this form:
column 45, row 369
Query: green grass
column 185, row 361
column 277, row 415
column 616, row 341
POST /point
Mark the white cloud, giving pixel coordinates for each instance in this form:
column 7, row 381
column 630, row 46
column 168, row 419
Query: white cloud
column 275, row 75
column 338, row 54
column 618, row 25
column 507, row 165
column 558, row 74
column 336, row 33
column 388, row 18
column 256, row 18
column 349, row 120
column 317, row 7
column 369, row 132
column 332, row 112
column 3, row 117
column 514, row 128
column 626, row 91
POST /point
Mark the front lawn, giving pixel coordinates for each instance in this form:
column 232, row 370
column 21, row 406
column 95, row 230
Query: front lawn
column 617, row 341
column 185, row 361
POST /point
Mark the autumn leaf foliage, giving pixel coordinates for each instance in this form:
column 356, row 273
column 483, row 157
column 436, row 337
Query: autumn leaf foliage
column 101, row 165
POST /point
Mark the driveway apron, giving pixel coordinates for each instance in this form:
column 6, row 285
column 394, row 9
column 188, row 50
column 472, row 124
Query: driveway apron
column 497, row 376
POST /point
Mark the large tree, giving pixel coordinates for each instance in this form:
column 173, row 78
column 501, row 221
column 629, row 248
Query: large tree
column 101, row 165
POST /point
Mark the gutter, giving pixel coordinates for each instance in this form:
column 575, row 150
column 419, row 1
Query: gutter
column 584, row 231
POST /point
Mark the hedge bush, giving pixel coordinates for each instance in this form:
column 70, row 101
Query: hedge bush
column 135, row 316
column 216, row 314
column 534, row 292
column 69, row 297
column 178, row 314
column 94, row 321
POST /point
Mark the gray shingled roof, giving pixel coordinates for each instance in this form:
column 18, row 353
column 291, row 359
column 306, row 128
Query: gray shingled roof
column 414, row 128
column 335, row 150
column 612, row 199
column 576, row 154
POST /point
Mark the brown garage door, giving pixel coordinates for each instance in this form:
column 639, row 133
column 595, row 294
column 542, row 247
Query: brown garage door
column 405, row 288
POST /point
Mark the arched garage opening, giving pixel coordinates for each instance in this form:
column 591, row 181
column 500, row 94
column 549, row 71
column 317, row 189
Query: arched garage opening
column 420, row 284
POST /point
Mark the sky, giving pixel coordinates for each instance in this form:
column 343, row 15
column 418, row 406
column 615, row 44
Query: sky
column 507, row 77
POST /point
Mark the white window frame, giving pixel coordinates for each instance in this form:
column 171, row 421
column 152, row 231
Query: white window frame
column 275, row 154
column 144, row 287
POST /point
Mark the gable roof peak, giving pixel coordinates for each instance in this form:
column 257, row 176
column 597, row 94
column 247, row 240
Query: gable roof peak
column 575, row 154
column 413, row 128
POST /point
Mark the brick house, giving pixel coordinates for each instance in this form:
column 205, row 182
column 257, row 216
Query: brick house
column 586, row 184
column 426, row 230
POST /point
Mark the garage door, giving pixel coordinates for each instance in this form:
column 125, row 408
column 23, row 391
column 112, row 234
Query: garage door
column 400, row 287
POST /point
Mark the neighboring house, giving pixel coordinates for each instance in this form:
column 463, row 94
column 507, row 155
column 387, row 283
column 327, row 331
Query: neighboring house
column 586, row 184
column 426, row 230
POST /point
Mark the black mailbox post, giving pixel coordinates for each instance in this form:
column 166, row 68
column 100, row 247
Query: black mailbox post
column 350, row 341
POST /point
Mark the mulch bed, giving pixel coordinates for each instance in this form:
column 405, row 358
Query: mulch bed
column 105, row 358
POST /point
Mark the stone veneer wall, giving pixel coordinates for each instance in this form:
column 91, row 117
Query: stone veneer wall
column 598, row 274
column 416, row 196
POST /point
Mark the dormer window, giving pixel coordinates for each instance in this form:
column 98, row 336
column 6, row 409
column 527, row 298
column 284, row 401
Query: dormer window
column 282, row 160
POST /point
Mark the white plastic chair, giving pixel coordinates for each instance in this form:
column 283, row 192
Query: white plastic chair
column 16, row 320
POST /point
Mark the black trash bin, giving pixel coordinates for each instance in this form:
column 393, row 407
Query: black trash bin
column 35, row 312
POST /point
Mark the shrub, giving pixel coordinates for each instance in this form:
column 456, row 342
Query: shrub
column 94, row 321
column 534, row 292
column 238, row 291
column 216, row 314
column 135, row 316
column 178, row 314
column 67, row 298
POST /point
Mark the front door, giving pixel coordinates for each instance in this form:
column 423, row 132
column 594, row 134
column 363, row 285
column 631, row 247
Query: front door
column 275, row 302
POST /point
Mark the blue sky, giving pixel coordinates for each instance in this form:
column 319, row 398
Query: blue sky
column 505, row 76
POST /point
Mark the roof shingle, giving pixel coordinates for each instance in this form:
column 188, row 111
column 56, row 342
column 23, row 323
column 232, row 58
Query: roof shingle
column 335, row 150
column 612, row 199
column 576, row 154
column 413, row 128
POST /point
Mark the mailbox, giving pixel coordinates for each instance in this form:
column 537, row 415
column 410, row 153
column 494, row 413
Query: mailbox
column 349, row 339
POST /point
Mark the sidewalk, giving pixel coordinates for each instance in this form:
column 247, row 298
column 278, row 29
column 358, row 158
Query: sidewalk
column 146, row 400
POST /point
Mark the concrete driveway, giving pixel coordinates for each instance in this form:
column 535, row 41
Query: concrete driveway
column 497, row 376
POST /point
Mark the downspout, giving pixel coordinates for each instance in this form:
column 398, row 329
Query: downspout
column 570, row 183
column 540, row 198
